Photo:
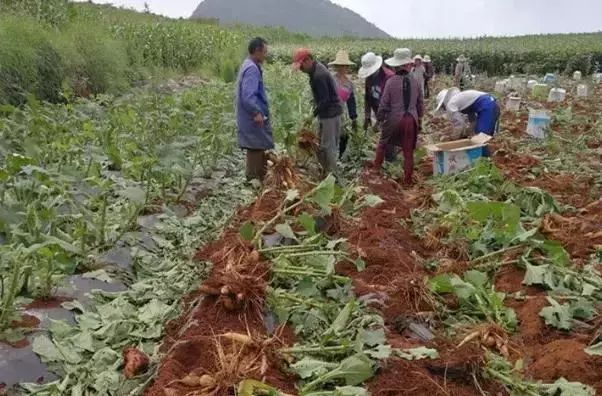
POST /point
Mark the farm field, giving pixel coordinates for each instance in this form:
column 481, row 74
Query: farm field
column 137, row 260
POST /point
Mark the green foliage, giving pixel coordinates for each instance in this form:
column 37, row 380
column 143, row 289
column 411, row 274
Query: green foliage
column 513, row 380
column 94, row 61
column 477, row 298
column 492, row 55
column 29, row 64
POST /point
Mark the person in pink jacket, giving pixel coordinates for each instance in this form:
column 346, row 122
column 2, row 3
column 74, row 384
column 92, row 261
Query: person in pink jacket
column 400, row 112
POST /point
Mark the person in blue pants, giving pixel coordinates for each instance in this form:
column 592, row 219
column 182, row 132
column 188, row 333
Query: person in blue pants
column 481, row 108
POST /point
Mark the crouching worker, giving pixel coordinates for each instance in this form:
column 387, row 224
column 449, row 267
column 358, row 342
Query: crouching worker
column 482, row 109
column 400, row 112
column 252, row 111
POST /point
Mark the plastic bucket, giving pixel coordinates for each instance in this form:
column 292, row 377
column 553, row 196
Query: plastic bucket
column 513, row 104
column 598, row 78
column 541, row 91
column 531, row 84
column 582, row 90
column 500, row 86
column 549, row 78
column 557, row 95
column 539, row 122
column 577, row 76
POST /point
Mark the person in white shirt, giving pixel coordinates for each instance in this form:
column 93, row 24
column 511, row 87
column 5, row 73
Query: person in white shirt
column 481, row 108
column 419, row 72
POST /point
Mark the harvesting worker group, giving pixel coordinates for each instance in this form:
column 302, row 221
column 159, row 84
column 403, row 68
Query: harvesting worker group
column 394, row 105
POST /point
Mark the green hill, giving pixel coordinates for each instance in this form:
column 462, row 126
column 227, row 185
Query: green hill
column 313, row 17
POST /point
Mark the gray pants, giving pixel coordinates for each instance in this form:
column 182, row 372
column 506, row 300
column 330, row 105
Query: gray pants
column 330, row 134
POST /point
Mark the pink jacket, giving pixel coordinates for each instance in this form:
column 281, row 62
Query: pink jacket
column 392, row 106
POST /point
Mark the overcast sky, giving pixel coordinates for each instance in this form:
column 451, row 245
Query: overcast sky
column 444, row 18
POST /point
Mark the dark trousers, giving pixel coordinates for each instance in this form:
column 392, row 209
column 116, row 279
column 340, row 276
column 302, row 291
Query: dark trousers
column 256, row 165
column 409, row 138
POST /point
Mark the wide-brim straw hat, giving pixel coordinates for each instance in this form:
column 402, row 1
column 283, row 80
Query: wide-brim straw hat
column 401, row 57
column 445, row 96
column 371, row 63
column 462, row 58
column 418, row 57
column 342, row 59
column 427, row 59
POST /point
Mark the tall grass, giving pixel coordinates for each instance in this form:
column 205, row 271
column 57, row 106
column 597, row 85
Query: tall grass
column 29, row 63
column 93, row 60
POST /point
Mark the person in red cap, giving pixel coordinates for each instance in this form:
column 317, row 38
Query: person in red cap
column 327, row 107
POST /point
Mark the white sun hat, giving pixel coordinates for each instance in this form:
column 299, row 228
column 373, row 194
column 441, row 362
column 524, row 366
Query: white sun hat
column 427, row 59
column 342, row 59
column 370, row 65
column 462, row 58
column 401, row 57
column 445, row 96
column 418, row 57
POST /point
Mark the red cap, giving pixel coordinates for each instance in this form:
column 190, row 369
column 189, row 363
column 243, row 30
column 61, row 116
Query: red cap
column 299, row 56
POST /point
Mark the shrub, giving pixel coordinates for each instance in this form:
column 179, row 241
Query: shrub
column 29, row 64
column 94, row 61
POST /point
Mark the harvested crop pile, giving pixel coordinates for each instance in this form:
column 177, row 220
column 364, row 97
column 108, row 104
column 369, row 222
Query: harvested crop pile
column 192, row 346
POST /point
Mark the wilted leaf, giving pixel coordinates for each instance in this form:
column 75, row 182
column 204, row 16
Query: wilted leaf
column 350, row 391
column 594, row 350
column 286, row 231
column 373, row 337
column 558, row 316
column 100, row 275
column 324, row 194
column 291, row 195
column 308, row 223
column 476, row 278
column 417, row 353
column 372, row 200
column 50, row 352
column 247, row 231
column 537, row 275
column 309, row 367
column 562, row 387
column 381, row 352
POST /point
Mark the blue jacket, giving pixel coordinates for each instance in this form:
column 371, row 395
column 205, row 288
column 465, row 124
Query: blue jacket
column 251, row 99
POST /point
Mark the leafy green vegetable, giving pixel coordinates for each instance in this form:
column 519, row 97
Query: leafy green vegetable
column 416, row 353
column 352, row 371
column 557, row 315
column 247, row 231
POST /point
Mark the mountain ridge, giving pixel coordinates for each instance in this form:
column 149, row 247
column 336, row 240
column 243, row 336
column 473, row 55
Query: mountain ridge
column 314, row 17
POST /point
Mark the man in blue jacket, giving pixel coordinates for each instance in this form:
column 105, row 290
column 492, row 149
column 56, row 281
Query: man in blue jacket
column 252, row 111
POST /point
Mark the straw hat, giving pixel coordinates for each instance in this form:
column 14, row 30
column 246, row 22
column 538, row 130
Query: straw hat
column 427, row 59
column 401, row 57
column 342, row 59
column 370, row 65
column 462, row 58
column 418, row 57
column 445, row 96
